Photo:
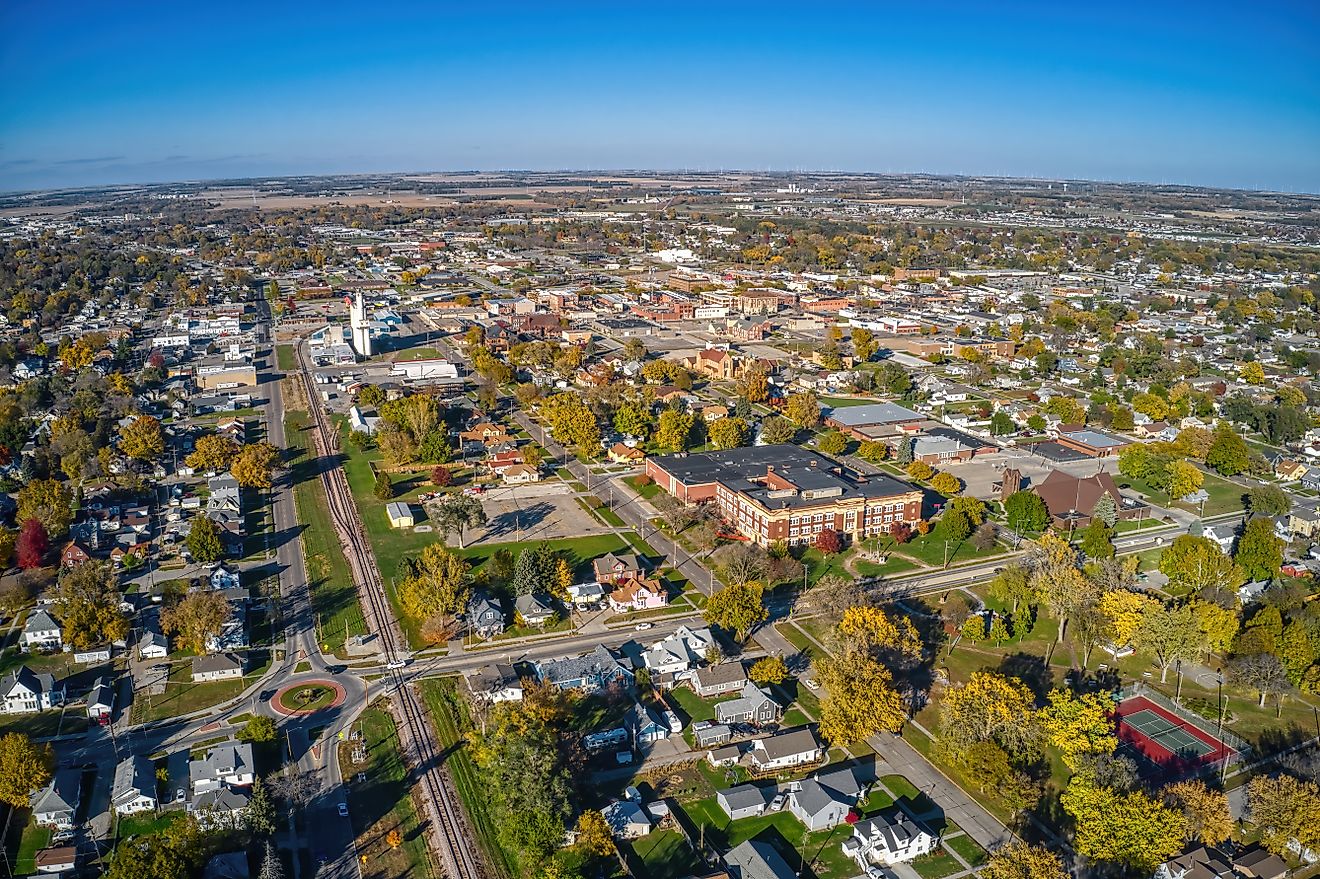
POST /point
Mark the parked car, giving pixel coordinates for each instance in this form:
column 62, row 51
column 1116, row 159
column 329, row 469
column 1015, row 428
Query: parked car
column 642, row 627
column 343, row 810
column 811, row 683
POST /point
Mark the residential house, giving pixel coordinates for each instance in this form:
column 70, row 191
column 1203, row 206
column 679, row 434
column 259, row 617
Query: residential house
column 152, row 645
column 73, row 555
column 621, row 454
column 755, row 859
column 888, row 838
column 745, row 800
column 219, row 808
column 611, row 568
column 224, row 578
column 707, row 735
column 496, row 682
column 217, row 667
column 586, row 594
column 521, row 474
column 485, row 432
column 627, row 819
column 1289, row 469
column 23, row 691
column 227, row 764
column 55, row 804
column 591, row 672
column 784, row 750
column 824, row 800
column 754, row 705
column 716, row 680
column 41, row 632
column 485, row 618
column 683, row 650
column 1304, row 522
column 58, row 859
column 533, row 609
column 644, row 726
column 100, row 701
column 638, row 593
column 134, row 788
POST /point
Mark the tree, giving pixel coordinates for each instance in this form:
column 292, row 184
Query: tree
column 632, row 419
column 1253, row 374
column 48, row 501
column 1184, row 479
column 832, row 595
column 990, row 707
column 729, row 433
column 437, row 584
column 1218, row 625
column 1259, row 553
column 1124, row 612
column 873, row 451
column 1013, row 585
column 1130, row 829
column 742, row 562
column 214, row 451
column 776, row 429
column 1262, row 672
column 1268, row 500
column 768, row 670
column 198, row 617
column 1170, row 633
column 1001, row 424
column 864, row 344
column 860, row 698
column 1106, row 510
column 532, row 455
column 259, row 728
column 384, row 489
column 871, row 631
column 441, row 477
column 832, row 442
column 176, row 852
column 828, row 541
column 271, row 865
column 455, row 512
column 1098, row 540
column 1198, row 565
column 1021, row 860
column 1228, row 453
column 676, row 430
column 755, row 386
column 204, row 543
column 535, row 569
column 87, row 604
column 738, row 608
column 920, row 470
column 803, row 409
column 1205, row 810
column 1079, row 724
column 1025, row 511
column 573, row 421
column 254, row 463
column 1054, row 574
column 946, row 484
column 358, row 439
column 594, row 835
column 141, row 439
column 394, row 838
column 259, row 816
column 1284, row 808
column 24, row 769
column 955, row 525
column 32, row 545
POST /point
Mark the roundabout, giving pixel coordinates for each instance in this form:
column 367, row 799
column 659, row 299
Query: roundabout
column 307, row 697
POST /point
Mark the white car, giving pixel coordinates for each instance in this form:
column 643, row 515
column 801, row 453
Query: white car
column 811, row 683
column 343, row 810
column 642, row 627
column 398, row 663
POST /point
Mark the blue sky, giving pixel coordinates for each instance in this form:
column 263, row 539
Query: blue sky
column 1209, row 93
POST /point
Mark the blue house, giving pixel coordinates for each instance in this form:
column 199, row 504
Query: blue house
column 594, row 671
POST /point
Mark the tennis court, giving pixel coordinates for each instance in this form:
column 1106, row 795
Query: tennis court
column 1165, row 739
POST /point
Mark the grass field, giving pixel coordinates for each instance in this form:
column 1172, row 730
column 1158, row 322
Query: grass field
column 334, row 597
column 182, row 696
column 32, row 839
column 665, row 854
column 285, row 359
column 821, row 850
column 382, row 802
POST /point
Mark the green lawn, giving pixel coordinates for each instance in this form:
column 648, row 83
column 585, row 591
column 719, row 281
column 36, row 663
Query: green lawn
column 1225, row 496
column 965, row 846
column 334, row 598
column 383, row 801
column 647, row 491
column 665, row 854
column 33, row 840
column 936, row 865
column 797, row 638
column 821, row 850
column 695, row 707
column 418, row 353
column 285, row 359
column 934, row 548
column 182, row 696
column 895, row 565
column 148, row 823
column 818, row 564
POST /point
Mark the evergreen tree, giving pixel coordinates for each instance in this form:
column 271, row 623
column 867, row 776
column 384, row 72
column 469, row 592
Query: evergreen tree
column 260, row 813
column 384, row 488
column 1106, row 510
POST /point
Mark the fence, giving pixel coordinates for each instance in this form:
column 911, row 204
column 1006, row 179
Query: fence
column 1210, row 727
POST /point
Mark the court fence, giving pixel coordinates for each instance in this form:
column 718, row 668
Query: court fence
column 1210, row 727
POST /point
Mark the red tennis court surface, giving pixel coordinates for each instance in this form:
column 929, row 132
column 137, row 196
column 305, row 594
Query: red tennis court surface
column 1164, row 738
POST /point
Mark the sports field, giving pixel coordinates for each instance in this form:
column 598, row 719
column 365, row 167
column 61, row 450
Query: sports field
column 1164, row 739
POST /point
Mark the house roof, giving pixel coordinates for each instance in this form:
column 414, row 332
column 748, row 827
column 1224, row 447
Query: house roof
column 234, row 758
column 872, row 414
column 574, row 668
column 1062, row 491
column 744, row 796
column 55, row 857
column 60, row 794
column 40, row 621
column 25, row 678
column 787, row 744
column 216, row 662
column 754, row 859
column 134, row 777
column 723, row 673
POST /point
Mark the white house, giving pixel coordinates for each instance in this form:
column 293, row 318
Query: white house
column 153, row 645
column 134, row 787
column 23, row 691
column 41, row 632
column 219, row 808
column 627, row 819
column 683, row 650
column 223, row 578
column 497, row 682
column 54, row 804
column 888, row 839
column 216, row 667
column 229, row 763
column 794, row 747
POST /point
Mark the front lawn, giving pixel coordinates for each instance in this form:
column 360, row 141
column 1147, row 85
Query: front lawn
column 182, row 696
column 665, row 854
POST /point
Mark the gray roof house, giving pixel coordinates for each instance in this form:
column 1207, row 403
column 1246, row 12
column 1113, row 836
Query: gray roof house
column 794, row 747
column 484, row 616
column 755, row 859
column 534, row 609
column 727, row 677
column 54, row 804
column 217, row 667
column 593, row 671
column 134, row 788
column 744, row 800
column 41, row 631
column 220, row 807
column 753, row 705
column 823, row 800
column 684, row 649
column 100, row 700
column 889, row 838
column 23, row 691
column 229, row 763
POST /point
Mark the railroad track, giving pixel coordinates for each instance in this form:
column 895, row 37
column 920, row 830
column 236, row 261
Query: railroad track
column 416, row 736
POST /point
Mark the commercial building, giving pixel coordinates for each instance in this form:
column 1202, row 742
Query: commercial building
column 785, row 492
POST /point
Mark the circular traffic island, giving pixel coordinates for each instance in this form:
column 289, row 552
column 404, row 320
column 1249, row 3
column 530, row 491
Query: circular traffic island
column 308, row 697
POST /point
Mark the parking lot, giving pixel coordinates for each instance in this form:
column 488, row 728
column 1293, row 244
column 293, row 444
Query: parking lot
column 982, row 474
column 543, row 511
